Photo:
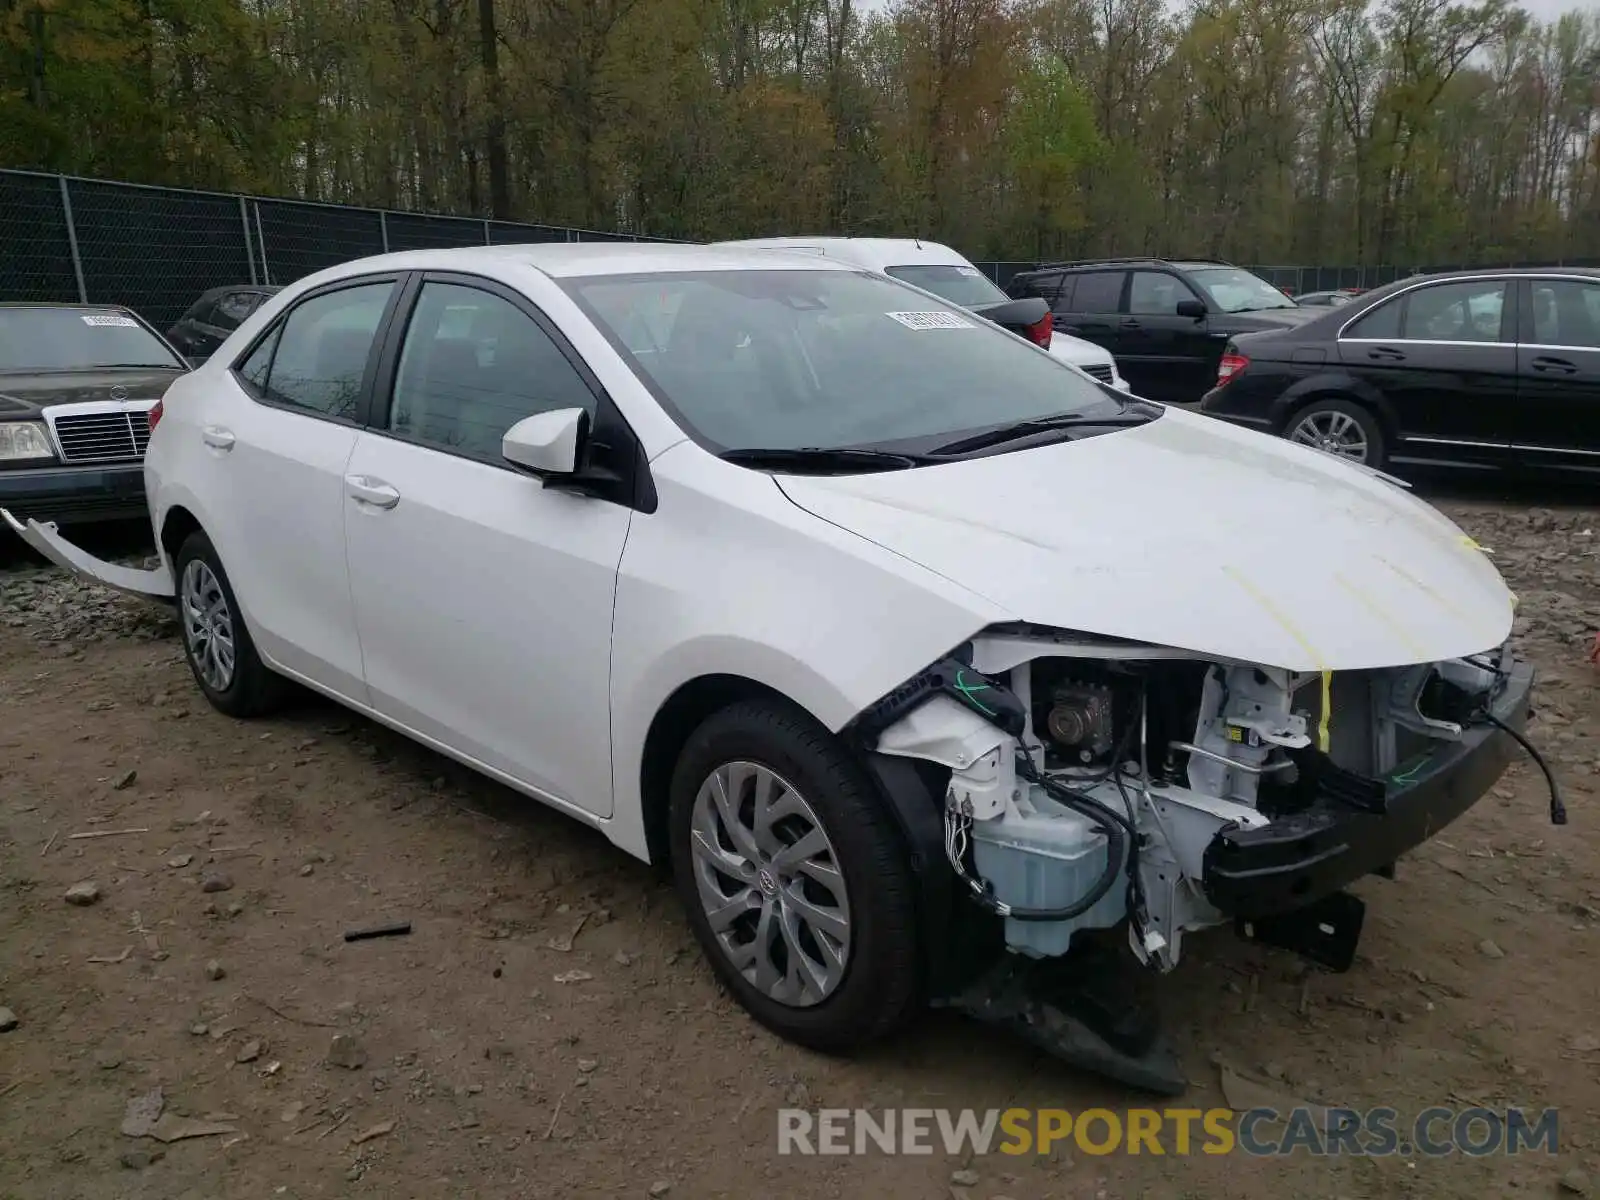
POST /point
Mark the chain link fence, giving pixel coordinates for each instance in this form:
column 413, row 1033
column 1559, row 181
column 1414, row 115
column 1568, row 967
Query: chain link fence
column 155, row 249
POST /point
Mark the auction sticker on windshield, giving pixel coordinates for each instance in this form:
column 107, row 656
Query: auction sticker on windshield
column 930, row 320
column 110, row 319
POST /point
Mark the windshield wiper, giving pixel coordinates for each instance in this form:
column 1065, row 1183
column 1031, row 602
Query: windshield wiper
column 1022, row 429
column 825, row 459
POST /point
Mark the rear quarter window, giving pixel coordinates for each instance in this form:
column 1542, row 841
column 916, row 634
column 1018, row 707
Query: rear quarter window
column 1381, row 323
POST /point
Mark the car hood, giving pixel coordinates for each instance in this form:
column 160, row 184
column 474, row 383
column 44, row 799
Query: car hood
column 20, row 393
column 1277, row 318
column 1191, row 534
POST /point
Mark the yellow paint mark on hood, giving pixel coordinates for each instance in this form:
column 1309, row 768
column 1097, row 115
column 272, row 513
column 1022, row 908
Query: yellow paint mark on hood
column 1427, row 591
column 1384, row 616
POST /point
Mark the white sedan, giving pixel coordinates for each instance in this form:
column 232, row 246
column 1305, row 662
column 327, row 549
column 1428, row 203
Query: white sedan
column 872, row 621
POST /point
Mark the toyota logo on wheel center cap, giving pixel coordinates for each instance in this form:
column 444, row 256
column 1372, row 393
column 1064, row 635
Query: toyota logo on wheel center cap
column 769, row 885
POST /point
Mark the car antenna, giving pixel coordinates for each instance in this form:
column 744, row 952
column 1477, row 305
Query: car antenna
column 918, row 241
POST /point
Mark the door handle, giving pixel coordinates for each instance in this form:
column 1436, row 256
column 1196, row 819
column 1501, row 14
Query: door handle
column 364, row 489
column 217, row 437
column 1554, row 366
column 1130, row 323
column 1385, row 354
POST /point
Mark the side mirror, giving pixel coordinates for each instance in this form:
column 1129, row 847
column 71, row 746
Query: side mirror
column 1195, row 310
column 548, row 443
column 1018, row 316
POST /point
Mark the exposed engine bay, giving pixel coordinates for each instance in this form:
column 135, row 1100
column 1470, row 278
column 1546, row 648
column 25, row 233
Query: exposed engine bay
column 1092, row 783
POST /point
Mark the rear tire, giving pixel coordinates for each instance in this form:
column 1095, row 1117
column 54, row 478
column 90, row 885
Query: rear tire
column 1342, row 428
column 807, row 915
column 216, row 643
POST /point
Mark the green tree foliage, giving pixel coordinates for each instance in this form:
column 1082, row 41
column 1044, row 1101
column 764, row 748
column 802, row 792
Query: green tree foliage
column 1050, row 137
column 1392, row 131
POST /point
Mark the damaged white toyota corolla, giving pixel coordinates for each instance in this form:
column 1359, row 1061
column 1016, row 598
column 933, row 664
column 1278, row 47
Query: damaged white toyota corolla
column 932, row 669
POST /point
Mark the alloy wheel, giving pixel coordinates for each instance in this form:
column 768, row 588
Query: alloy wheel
column 1335, row 432
column 207, row 626
column 770, row 884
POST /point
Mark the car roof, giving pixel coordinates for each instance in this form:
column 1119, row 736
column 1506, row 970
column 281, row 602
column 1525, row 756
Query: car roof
column 563, row 260
column 267, row 288
column 1410, row 281
column 873, row 253
column 1123, row 264
column 64, row 306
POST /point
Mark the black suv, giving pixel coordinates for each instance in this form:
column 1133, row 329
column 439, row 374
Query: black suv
column 1165, row 322
column 210, row 319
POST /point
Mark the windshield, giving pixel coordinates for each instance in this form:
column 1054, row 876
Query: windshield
column 963, row 285
column 71, row 339
column 1233, row 290
column 789, row 359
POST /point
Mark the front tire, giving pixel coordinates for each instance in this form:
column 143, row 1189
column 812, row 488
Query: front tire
column 1342, row 428
column 216, row 643
column 794, row 877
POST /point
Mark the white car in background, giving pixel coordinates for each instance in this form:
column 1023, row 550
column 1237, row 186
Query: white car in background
column 940, row 270
column 902, row 644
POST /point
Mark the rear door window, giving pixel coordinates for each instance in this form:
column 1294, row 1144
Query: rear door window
column 1566, row 313
column 1065, row 294
column 1469, row 311
column 1098, row 292
column 319, row 359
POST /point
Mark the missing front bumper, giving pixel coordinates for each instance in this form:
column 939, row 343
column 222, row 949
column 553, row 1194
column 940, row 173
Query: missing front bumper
column 1303, row 857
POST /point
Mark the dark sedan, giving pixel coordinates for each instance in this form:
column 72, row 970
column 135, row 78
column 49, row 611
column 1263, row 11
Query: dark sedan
column 1475, row 370
column 77, row 383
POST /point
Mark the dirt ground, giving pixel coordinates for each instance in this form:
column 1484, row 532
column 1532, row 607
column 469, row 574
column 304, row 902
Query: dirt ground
column 548, row 1028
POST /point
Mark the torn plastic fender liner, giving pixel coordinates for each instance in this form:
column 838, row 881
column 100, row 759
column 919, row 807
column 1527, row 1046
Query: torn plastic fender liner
column 993, row 701
column 154, row 584
column 957, row 718
column 958, row 941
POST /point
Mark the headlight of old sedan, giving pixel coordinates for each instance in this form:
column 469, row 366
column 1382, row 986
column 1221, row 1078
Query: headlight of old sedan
column 21, row 440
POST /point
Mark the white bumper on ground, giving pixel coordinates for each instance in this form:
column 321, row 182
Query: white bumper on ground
column 151, row 584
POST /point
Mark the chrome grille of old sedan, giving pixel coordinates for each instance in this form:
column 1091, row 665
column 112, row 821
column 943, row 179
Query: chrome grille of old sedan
column 102, row 437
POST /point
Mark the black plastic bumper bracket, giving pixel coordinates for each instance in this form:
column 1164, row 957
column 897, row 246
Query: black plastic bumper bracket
column 1325, row 932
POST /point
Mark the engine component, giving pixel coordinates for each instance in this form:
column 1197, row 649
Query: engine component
column 1080, row 722
column 1244, row 718
column 1047, row 856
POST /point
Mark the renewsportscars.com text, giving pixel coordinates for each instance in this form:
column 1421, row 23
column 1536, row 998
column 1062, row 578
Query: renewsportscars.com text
column 1260, row 1132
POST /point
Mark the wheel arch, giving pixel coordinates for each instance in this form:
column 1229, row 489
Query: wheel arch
column 176, row 525
column 1334, row 387
column 678, row 717
column 953, row 939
